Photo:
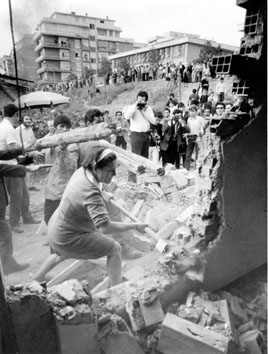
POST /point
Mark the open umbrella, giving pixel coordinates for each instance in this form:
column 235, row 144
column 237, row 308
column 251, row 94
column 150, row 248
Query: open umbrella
column 39, row 99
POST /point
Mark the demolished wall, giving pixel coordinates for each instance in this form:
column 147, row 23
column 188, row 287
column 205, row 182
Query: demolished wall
column 242, row 244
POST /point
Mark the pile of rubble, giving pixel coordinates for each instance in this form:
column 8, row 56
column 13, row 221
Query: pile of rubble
column 203, row 323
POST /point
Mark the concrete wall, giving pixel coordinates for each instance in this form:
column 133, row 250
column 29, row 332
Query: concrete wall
column 242, row 245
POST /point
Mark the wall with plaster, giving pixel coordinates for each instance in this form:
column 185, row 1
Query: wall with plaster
column 242, row 245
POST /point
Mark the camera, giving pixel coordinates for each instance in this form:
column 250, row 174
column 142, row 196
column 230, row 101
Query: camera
column 141, row 105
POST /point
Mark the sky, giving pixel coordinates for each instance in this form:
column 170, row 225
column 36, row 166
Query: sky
column 219, row 20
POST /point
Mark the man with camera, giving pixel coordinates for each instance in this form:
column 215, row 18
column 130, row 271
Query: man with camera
column 140, row 116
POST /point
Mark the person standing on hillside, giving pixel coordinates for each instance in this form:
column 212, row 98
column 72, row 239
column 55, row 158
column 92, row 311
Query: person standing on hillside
column 196, row 124
column 123, row 128
column 16, row 186
column 25, row 135
column 221, row 90
column 140, row 115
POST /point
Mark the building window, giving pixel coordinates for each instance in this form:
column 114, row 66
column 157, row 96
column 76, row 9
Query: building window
column 93, row 49
column 85, row 42
column 64, row 54
column 65, row 65
column 77, row 55
column 101, row 32
column 78, row 67
column 77, row 43
column 101, row 21
column 92, row 38
column 111, row 33
column 91, row 26
column 85, row 56
column 93, row 61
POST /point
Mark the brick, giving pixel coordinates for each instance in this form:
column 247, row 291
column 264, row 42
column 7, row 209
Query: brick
column 153, row 313
column 134, row 312
column 254, row 342
column 184, row 337
column 79, row 338
column 184, row 216
column 237, row 309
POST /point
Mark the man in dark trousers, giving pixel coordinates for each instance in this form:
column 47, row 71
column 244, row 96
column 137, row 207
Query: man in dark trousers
column 140, row 116
column 10, row 265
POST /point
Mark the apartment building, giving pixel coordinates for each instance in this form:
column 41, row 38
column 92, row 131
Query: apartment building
column 67, row 43
column 6, row 65
column 26, row 58
column 175, row 47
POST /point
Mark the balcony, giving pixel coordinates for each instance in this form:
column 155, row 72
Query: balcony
column 45, row 44
column 41, row 70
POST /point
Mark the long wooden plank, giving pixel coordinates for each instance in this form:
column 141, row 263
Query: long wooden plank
column 59, row 278
column 148, row 165
column 79, row 135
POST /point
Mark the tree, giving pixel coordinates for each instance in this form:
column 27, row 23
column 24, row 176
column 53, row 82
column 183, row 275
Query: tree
column 105, row 67
column 124, row 64
column 154, row 56
column 71, row 77
column 208, row 51
column 88, row 72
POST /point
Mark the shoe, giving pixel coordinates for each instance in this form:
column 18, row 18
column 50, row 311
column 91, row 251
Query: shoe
column 16, row 228
column 30, row 220
column 34, row 189
column 14, row 267
column 128, row 253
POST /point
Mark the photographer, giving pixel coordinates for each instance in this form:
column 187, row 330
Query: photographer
column 140, row 116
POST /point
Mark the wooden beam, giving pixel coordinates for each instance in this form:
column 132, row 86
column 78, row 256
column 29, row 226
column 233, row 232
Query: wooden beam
column 148, row 165
column 79, row 135
column 59, row 278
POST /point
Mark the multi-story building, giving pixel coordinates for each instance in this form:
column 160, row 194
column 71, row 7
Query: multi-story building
column 173, row 47
column 6, row 65
column 70, row 43
column 26, row 56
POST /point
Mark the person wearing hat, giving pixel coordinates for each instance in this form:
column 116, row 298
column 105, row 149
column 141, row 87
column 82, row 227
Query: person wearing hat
column 196, row 125
column 79, row 227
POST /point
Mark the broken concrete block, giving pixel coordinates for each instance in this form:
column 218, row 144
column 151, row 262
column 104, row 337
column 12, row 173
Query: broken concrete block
column 237, row 309
column 180, row 180
column 180, row 232
column 184, row 216
column 189, row 313
column 167, row 230
column 151, row 309
column 120, row 343
column 78, row 338
column 254, row 342
column 134, row 312
column 246, row 327
column 71, row 291
column 184, row 337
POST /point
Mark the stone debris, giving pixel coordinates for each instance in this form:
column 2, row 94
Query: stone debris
column 72, row 292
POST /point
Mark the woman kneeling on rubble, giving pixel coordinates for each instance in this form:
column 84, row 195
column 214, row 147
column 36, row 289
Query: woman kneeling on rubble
column 77, row 228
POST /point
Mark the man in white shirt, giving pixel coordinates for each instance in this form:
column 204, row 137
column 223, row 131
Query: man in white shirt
column 196, row 124
column 26, row 136
column 140, row 116
column 221, row 90
column 8, row 141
